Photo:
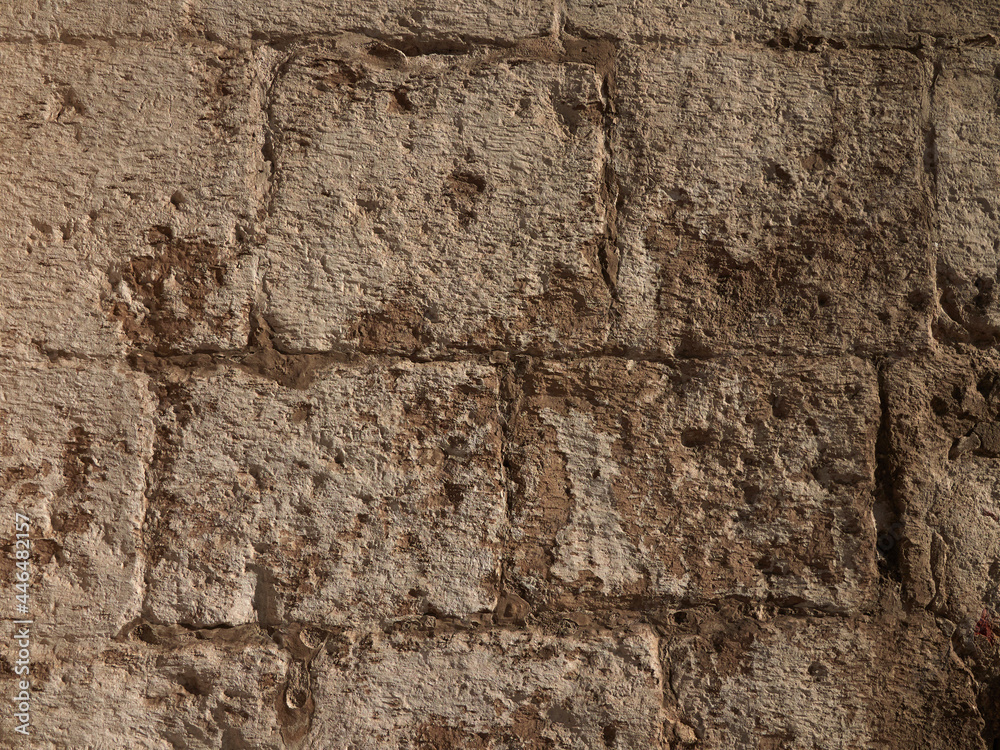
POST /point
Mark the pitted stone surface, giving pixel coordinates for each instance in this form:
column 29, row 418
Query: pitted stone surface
column 135, row 238
column 624, row 465
column 496, row 375
column 492, row 691
column 793, row 219
column 376, row 493
column 436, row 202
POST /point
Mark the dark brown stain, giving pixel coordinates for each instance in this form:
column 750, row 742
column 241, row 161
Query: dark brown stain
column 77, row 463
column 433, row 736
column 463, row 191
column 396, row 327
column 173, row 284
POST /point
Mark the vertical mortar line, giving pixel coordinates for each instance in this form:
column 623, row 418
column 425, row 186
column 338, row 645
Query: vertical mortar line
column 149, row 482
column 666, row 674
column 558, row 19
column 269, row 150
column 507, row 408
column 889, row 538
column 930, row 131
column 141, row 546
column 930, row 167
column 608, row 250
column 269, row 144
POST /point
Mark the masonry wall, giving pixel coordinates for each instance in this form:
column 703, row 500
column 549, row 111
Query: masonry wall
column 499, row 374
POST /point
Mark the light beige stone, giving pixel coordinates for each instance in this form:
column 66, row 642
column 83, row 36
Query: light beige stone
column 496, row 375
column 173, row 689
column 494, row 690
column 808, row 25
column 74, row 445
column 966, row 136
column 621, row 466
column 130, row 175
column 791, row 218
column 373, row 493
column 436, row 202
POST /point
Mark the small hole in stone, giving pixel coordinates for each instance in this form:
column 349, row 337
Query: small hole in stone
column 680, row 617
column 693, row 437
column 610, row 735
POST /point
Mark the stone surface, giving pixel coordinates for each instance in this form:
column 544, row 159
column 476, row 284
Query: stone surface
column 376, row 493
column 136, row 171
column 439, row 24
column 500, row 375
column 739, row 682
column 792, row 219
column 965, row 147
column 806, row 25
column 436, row 202
column 624, row 465
column 160, row 688
column 493, row 690
column 74, row 446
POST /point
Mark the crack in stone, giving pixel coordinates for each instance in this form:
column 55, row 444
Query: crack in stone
column 270, row 145
column 886, row 508
column 930, row 158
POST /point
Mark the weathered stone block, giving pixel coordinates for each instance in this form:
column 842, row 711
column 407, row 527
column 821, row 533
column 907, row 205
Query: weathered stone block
column 792, row 217
column 74, row 446
column 622, row 468
column 130, row 175
column 945, row 502
column 493, row 690
column 966, row 139
column 436, row 202
column 803, row 24
column 157, row 689
column 27, row 21
column 442, row 24
column 435, row 25
column 373, row 492
column 798, row 682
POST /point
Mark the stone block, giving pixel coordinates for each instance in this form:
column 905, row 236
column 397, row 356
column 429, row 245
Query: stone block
column 436, row 202
column 131, row 181
column 638, row 482
column 373, row 492
column 773, row 201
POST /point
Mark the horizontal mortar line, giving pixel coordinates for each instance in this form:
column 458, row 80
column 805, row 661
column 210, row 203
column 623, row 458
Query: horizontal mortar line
column 352, row 355
column 348, row 356
column 237, row 357
column 444, row 45
column 468, row 623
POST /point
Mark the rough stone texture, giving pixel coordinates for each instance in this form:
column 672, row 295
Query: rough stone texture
column 491, row 691
column 137, row 231
column 497, row 375
column 625, row 465
column 436, row 202
column 374, row 492
column 810, row 235
column 801, row 24
column 74, row 446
